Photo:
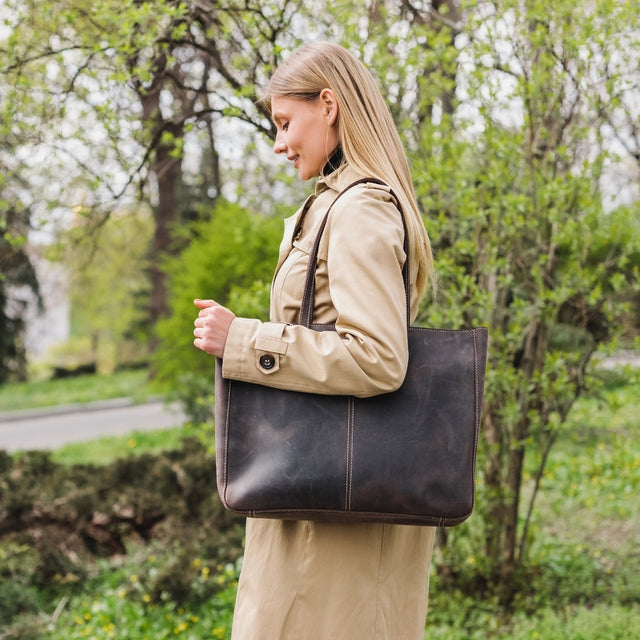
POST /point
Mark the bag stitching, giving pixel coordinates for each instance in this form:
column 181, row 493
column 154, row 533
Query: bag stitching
column 349, row 461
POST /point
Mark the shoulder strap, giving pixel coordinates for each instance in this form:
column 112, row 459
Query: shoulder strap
column 306, row 308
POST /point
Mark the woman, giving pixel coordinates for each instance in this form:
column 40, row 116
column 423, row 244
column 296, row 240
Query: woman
column 323, row 581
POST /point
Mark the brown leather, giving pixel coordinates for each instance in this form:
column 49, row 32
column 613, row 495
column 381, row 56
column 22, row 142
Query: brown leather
column 406, row 457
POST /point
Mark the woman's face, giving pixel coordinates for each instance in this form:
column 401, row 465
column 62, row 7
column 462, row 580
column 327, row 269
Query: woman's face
column 306, row 131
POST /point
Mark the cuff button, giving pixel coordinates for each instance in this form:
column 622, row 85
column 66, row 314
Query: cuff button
column 267, row 361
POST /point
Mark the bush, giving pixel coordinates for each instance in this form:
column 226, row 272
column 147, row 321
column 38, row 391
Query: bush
column 15, row 599
column 56, row 522
column 123, row 602
column 230, row 259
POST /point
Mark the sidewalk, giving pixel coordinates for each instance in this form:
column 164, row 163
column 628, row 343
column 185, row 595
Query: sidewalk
column 53, row 427
column 99, row 405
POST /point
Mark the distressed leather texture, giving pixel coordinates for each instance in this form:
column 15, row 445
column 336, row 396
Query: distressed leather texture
column 406, row 457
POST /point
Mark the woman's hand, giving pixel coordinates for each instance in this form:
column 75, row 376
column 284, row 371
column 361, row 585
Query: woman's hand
column 212, row 327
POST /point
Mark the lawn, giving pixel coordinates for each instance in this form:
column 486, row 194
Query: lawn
column 79, row 389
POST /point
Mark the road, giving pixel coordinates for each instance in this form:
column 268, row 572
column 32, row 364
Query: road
column 52, row 428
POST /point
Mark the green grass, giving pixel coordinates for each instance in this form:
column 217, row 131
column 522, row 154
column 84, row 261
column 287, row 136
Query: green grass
column 80, row 389
column 121, row 602
column 123, row 609
column 105, row 450
column 584, row 550
column 598, row 622
column 591, row 487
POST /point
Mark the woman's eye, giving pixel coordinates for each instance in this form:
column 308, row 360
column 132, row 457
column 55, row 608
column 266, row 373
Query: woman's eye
column 285, row 126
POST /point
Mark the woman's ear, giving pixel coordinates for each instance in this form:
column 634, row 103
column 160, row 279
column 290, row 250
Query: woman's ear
column 329, row 105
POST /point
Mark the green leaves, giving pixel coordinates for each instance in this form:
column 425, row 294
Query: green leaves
column 513, row 201
column 230, row 258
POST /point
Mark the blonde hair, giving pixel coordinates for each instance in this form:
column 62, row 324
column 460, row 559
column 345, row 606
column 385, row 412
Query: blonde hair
column 367, row 133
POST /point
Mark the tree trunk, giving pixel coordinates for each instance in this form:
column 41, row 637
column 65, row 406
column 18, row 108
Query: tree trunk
column 168, row 172
column 166, row 167
column 505, row 586
column 449, row 19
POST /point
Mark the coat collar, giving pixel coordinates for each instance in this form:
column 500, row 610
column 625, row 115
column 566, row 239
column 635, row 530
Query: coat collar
column 338, row 179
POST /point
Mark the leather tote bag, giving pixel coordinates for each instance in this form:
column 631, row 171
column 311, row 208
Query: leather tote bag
column 406, row 457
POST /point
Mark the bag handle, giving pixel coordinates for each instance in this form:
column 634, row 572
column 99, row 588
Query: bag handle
column 306, row 308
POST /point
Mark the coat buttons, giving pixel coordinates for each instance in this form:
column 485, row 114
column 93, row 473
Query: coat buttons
column 267, row 361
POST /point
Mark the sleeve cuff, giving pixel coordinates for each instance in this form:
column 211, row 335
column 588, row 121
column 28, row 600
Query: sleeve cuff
column 253, row 347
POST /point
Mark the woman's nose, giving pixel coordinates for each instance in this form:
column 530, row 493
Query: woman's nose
column 279, row 146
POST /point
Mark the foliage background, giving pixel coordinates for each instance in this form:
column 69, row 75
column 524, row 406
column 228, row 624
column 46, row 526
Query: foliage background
column 520, row 120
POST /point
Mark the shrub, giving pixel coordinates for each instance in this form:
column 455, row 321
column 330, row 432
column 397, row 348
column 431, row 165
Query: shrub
column 230, row 259
column 57, row 521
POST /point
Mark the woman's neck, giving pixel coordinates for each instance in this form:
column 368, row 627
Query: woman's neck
column 334, row 162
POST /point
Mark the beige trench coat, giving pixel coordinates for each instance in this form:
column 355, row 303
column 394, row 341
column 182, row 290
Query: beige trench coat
column 321, row 581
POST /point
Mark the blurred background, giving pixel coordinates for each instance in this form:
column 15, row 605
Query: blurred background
column 137, row 174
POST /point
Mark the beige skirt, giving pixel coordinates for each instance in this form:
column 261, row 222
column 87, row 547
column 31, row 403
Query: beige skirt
column 320, row 581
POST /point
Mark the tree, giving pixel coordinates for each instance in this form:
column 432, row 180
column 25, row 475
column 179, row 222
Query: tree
column 109, row 285
column 18, row 281
column 133, row 86
column 514, row 203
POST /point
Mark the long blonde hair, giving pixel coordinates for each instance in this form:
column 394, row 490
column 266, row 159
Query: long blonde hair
column 367, row 133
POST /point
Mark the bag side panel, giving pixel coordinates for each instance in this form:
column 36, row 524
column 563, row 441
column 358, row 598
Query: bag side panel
column 414, row 450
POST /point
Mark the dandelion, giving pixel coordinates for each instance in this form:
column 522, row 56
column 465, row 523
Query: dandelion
column 218, row 632
column 146, row 598
column 132, row 443
column 205, row 572
column 197, row 563
column 133, row 578
column 183, row 626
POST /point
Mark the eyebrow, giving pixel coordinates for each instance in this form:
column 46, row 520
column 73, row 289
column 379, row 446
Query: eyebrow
column 277, row 116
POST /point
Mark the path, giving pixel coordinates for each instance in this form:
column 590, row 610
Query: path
column 56, row 426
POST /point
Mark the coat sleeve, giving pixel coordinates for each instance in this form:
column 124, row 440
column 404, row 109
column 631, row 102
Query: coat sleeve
column 368, row 353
